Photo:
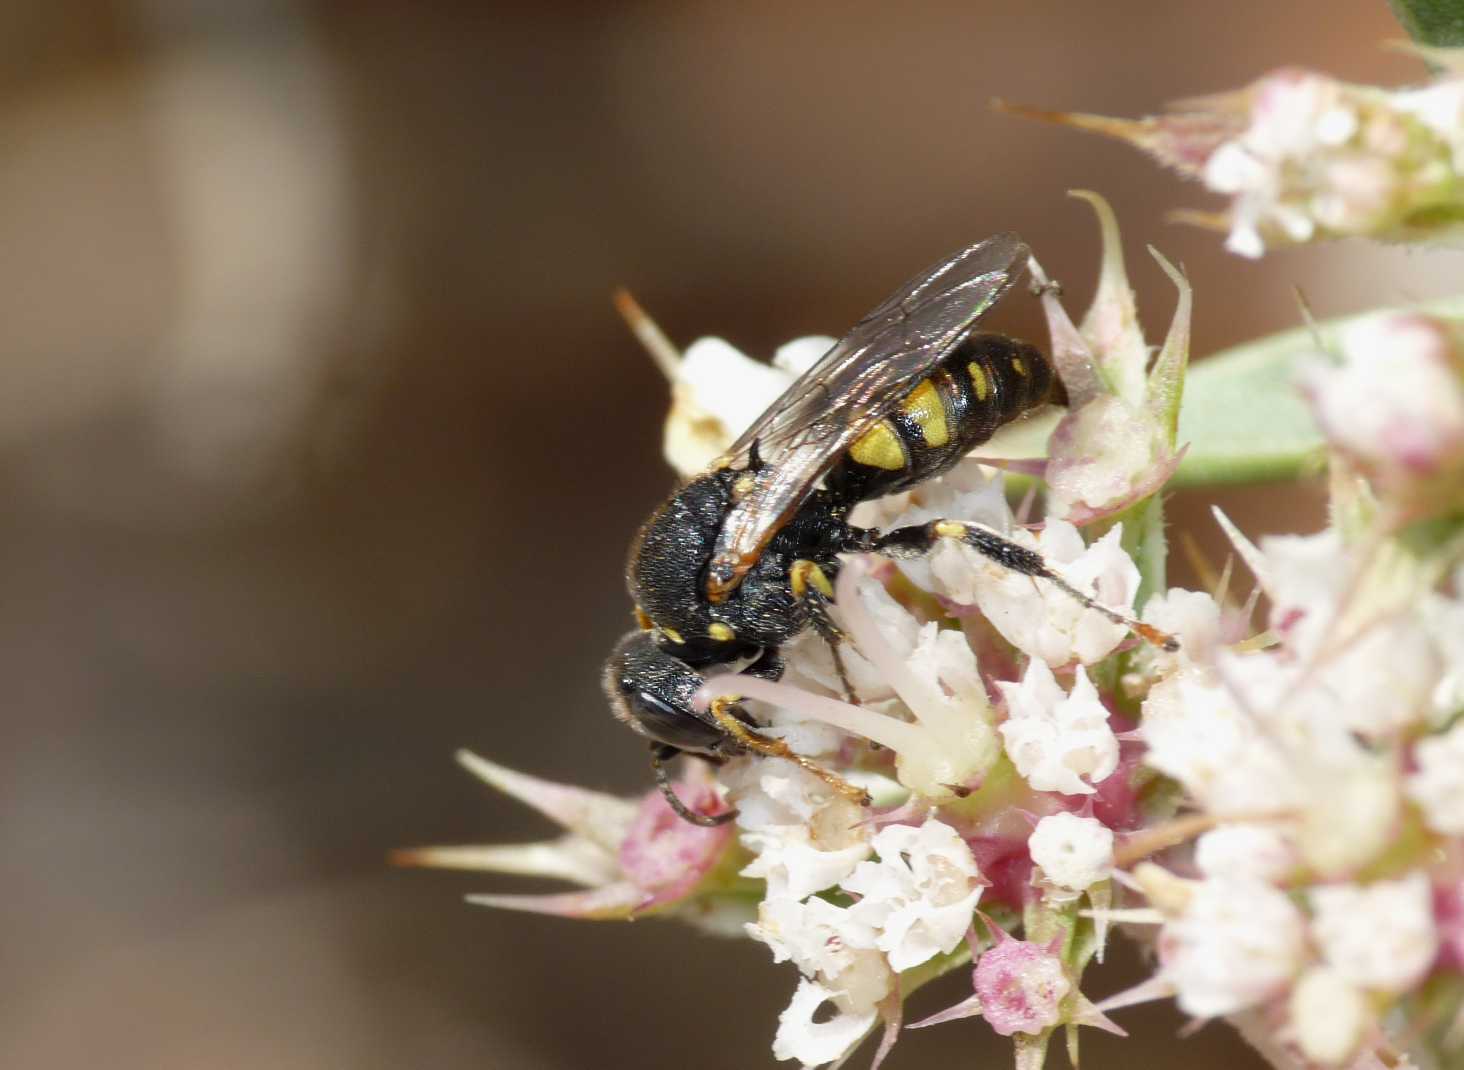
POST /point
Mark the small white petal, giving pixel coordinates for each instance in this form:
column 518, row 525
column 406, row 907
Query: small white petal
column 815, row 1043
column 1437, row 786
column 1073, row 852
column 1381, row 935
column 1329, row 1015
column 797, row 356
column 1058, row 742
column 1259, row 851
column 921, row 894
column 1237, row 943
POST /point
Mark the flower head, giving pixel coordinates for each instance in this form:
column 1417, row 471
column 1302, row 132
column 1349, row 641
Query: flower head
column 1116, row 445
column 717, row 391
column 633, row 856
column 1393, row 401
column 1303, row 156
column 920, row 895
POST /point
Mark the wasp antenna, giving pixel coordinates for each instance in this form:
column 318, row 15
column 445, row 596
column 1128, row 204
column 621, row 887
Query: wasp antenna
column 686, row 813
column 648, row 332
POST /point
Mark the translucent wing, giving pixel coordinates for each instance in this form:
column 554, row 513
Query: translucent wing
column 851, row 387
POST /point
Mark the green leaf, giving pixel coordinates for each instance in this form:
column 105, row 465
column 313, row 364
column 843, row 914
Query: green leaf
column 1242, row 419
column 1431, row 22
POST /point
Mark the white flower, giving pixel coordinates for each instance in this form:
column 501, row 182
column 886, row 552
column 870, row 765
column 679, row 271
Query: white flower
column 1304, row 577
column 719, row 391
column 1329, row 1016
column 1395, row 402
column 815, row 1043
column 1263, row 744
column 1382, row 681
column 827, row 940
column 1323, row 158
column 1198, row 734
column 1058, row 742
column 1044, row 622
column 836, row 953
column 1444, row 619
column 1192, row 617
column 1262, row 852
column 1438, row 784
column 920, row 895
column 1304, row 156
column 1073, row 852
column 804, row 837
column 1379, row 936
column 1236, row 943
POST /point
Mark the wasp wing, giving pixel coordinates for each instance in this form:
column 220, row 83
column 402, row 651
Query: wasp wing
column 851, row 388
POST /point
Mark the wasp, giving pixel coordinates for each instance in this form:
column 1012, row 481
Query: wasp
column 743, row 558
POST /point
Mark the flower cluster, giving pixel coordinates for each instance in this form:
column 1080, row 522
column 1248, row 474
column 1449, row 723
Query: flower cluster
column 1275, row 809
column 1303, row 156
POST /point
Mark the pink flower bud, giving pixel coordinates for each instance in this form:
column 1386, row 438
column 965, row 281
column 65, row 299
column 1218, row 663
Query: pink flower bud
column 1394, row 403
column 1020, row 985
column 666, row 856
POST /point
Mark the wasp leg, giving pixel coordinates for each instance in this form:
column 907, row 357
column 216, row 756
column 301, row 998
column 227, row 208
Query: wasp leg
column 721, row 711
column 812, row 586
column 660, row 753
column 919, row 540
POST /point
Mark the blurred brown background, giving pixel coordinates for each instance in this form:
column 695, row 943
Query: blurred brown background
column 321, row 448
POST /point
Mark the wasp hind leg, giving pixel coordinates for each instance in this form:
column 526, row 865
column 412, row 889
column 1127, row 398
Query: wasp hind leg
column 920, row 539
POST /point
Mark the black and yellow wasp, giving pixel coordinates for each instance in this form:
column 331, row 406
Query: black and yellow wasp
column 743, row 557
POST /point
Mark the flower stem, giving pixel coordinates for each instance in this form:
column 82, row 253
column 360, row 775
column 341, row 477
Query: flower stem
column 1437, row 23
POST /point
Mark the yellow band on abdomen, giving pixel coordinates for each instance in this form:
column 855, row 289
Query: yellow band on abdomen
column 923, row 405
column 879, row 447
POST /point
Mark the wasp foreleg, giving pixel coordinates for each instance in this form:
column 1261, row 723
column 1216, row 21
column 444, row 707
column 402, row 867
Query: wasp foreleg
column 812, row 586
column 772, row 747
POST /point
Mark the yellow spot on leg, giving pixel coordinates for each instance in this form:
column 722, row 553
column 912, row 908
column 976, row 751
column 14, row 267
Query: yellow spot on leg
column 673, row 635
column 879, row 447
column 950, row 529
column 721, row 632
column 805, row 574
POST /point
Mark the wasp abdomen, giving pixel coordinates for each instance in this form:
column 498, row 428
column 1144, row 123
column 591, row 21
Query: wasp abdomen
column 985, row 382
